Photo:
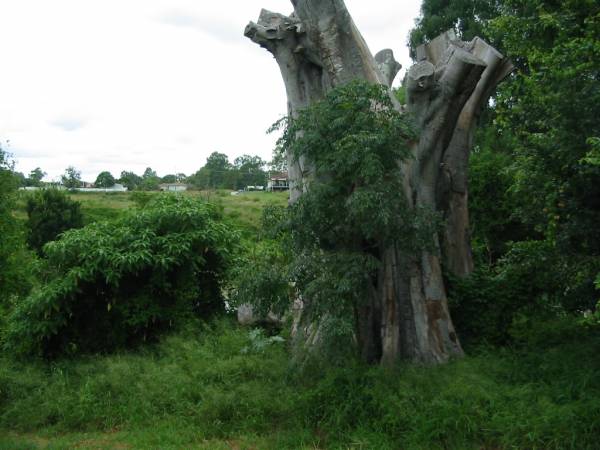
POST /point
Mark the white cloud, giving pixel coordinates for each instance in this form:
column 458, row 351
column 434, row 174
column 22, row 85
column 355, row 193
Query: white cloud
column 122, row 85
column 67, row 123
column 215, row 27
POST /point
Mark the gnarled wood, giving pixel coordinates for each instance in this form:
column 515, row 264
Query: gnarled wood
column 452, row 189
column 317, row 48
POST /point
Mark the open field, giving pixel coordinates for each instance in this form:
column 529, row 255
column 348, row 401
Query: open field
column 243, row 209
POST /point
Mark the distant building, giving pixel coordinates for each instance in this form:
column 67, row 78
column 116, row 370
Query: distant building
column 173, row 187
column 114, row 188
column 278, row 182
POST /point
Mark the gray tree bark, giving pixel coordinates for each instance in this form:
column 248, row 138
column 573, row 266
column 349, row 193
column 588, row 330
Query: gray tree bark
column 317, row 48
column 452, row 194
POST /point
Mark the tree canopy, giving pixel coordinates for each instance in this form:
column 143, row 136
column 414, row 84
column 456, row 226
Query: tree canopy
column 71, row 179
column 105, row 180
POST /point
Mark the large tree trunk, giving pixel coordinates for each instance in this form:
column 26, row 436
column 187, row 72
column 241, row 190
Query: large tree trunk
column 317, row 48
column 452, row 194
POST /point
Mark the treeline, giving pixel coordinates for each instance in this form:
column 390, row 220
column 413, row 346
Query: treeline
column 217, row 173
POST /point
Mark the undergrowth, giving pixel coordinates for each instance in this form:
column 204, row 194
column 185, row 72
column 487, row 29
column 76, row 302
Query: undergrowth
column 214, row 383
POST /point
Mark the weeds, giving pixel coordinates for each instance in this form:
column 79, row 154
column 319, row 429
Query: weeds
column 201, row 386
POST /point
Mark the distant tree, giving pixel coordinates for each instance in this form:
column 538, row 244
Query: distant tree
column 218, row 166
column 279, row 162
column 130, row 180
column 71, row 179
column 169, row 178
column 49, row 213
column 217, row 173
column 21, row 179
column 105, row 180
column 35, row 177
column 250, row 171
column 149, row 173
column 181, row 177
column 200, row 179
column 150, row 180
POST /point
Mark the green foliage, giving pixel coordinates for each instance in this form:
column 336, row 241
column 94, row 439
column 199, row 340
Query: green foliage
column 533, row 281
column 35, row 177
column 201, row 390
column 491, row 205
column 328, row 245
column 219, row 173
column 215, row 174
column 353, row 140
column 15, row 262
column 593, row 156
column 533, row 182
column 150, row 180
column 117, row 283
column 105, row 180
column 8, row 225
column 130, row 180
column 71, row 179
column 141, row 199
column 260, row 342
column 261, row 277
column 466, row 17
column 400, row 94
column 250, row 171
column 50, row 212
column 552, row 108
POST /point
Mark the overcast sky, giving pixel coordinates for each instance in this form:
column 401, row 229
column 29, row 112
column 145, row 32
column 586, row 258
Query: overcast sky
column 126, row 84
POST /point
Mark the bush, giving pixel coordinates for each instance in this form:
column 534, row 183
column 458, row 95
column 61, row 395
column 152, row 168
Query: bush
column 140, row 198
column 50, row 212
column 532, row 281
column 118, row 283
column 15, row 261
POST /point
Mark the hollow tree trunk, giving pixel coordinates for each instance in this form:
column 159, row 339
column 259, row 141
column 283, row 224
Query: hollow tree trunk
column 317, row 48
column 452, row 194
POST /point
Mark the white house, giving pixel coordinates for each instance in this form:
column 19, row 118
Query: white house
column 173, row 187
column 278, row 182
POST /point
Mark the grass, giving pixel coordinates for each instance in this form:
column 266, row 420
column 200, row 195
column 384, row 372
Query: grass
column 207, row 388
column 244, row 210
column 211, row 387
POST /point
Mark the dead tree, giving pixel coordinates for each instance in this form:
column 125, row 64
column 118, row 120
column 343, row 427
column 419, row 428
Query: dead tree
column 317, row 48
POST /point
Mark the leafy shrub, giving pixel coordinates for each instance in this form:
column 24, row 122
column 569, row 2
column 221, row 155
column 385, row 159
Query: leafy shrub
column 261, row 277
column 15, row 261
column 259, row 341
column 50, row 212
column 140, row 198
column 118, row 283
column 532, row 281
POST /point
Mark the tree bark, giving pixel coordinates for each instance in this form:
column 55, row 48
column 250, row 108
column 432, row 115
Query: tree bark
column 317, row 48
column 452, row 189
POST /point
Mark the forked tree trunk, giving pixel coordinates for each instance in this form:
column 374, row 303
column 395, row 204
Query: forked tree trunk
column 317, row 48
column 452, row 194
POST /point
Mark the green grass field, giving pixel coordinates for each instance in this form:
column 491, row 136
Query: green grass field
column 243, row 210
column 216, row 386
column 209, row 388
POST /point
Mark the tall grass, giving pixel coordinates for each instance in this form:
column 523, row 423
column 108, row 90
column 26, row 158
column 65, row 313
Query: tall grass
column 213, row 386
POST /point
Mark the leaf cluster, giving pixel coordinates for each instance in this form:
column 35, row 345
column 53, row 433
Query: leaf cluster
column 113, row 284
column 50, row 212
column 329, row 245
